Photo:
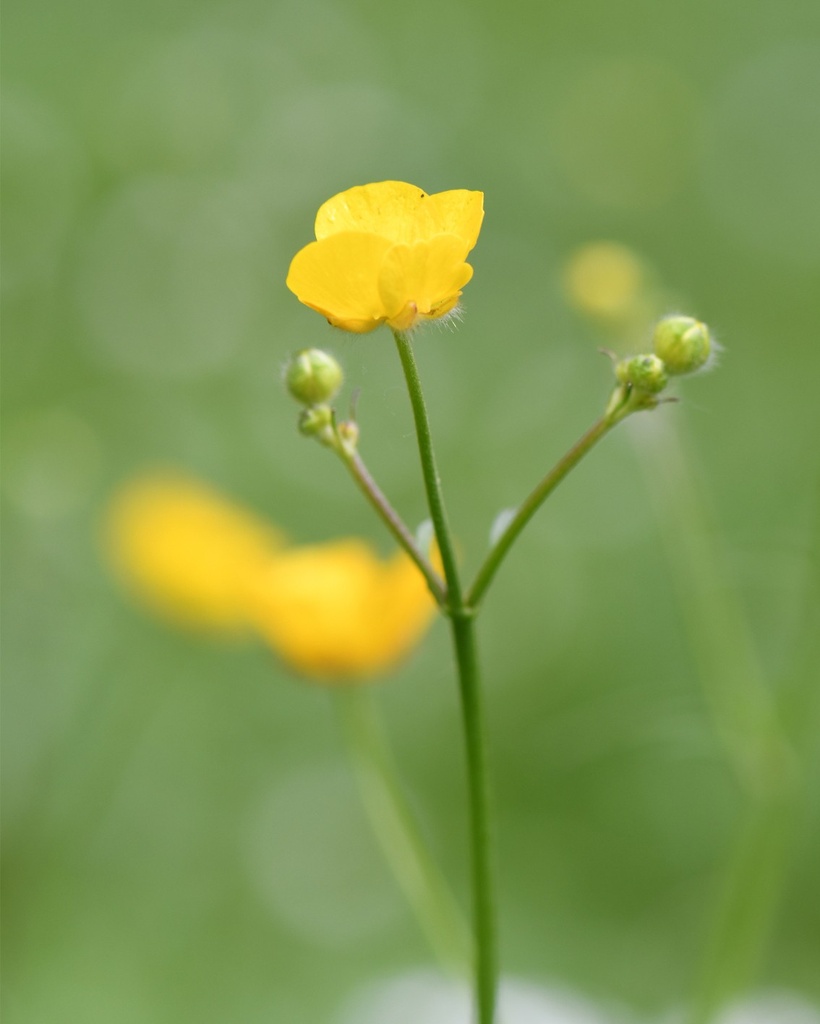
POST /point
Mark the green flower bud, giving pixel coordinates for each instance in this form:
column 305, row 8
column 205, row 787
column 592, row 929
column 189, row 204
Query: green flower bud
column 683, row 343
column 313, row 376
column 644, row 373
column 317, row 421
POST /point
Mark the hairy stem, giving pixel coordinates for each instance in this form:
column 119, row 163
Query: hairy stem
column 432, row 482
column 392, row 520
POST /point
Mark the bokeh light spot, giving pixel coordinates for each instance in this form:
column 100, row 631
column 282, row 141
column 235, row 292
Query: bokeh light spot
column 604, row 279
column 623, row 133
column 168, row 277
column 51, row 462
column 761, row 161
column 424, row 996
column 44, row 177
column 315, row 863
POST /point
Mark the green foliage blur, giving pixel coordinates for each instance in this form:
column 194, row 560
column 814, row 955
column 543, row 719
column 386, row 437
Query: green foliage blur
column 182, row 836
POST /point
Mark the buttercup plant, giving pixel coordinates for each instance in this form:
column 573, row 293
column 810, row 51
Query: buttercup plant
column 385, row 254
column 389, row 254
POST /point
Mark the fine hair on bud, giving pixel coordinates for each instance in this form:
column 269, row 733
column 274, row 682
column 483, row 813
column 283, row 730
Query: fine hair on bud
column 313, row 376
column 683, row 343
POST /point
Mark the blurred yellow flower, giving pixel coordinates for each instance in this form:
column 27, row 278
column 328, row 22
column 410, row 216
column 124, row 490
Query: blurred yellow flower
column 605, row 279
column 334, row 612
column 186, row 551
column 388, row 253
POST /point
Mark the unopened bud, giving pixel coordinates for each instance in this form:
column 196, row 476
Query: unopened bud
column 313, row 376
column 683, row 343
column 644, row 373
column 317, row 421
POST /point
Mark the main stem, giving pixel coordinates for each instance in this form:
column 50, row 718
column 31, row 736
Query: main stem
column 463, row 632
column 486, row 962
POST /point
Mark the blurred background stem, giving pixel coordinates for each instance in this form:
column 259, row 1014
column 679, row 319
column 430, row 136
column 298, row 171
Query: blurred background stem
column 744, row 716
column 747, row 903
column 398, row 833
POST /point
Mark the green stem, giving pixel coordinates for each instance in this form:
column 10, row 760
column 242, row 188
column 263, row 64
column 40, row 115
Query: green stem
column 747, row 904
column 532, row 503
column 432, row 482
column 739, row 701
column 486, row 963
column 396, row 829
column 392, row 520
column 463, row 632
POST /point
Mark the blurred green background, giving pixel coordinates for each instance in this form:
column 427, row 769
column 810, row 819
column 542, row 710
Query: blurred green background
column 182, row 836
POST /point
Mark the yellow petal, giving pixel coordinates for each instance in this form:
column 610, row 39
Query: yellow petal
column 423, row 280
column 459, row 212
column 338, row 277
column 386, row 208
column 336, row 612
column 403, row 213
column 186, row 551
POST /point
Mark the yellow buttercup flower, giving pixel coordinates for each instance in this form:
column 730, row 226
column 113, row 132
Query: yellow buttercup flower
column 388, row 253
column 334, row 612
column 186, row 551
